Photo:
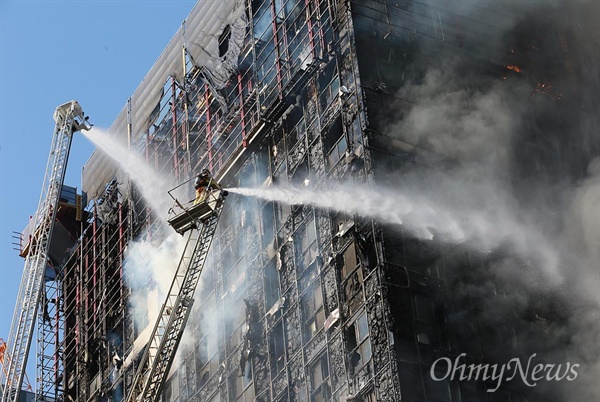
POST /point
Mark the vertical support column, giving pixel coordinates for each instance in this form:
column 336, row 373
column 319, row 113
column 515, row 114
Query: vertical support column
column 176, row 167
column 242, row 111
column 85, row 274
column 121, row 248
column 147, row 210
column 317, row 35
column 277, row 50
column 310, row 28
column 208, row 127
column 129, row 125
column 94, row 264
column 185, row 126
column 78, row 308
column 56, row 354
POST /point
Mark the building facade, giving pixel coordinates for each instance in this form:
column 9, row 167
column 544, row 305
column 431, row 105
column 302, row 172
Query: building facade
column 297, row 303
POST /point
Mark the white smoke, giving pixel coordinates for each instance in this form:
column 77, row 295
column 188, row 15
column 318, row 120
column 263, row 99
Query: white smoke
column 149, row 268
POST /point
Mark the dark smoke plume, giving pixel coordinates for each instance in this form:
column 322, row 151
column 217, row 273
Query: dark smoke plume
column 510, row 129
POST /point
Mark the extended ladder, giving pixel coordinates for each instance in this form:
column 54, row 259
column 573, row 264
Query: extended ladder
column 160, row 352
column 69, row 118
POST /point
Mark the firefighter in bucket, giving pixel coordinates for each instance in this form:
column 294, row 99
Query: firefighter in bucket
column 203, row 184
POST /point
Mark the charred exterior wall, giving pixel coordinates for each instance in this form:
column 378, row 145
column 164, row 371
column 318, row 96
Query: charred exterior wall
column 297, row 303
column 416, row 58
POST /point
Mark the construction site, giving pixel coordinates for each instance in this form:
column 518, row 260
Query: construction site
column 335, row 197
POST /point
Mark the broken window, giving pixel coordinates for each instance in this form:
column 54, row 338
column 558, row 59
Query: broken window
column 301, row 176
column 314, row 129
column 329, row 85
column 359, row 343
column 338, row 151
column 277, row 348
column 308, row 244
column 271, row 277
column 262, row 165
column 328, row 74
column 294, row 126
column 237, row 327
column 366, row 250
column 282, row 212
column 241, row 387
column 355, row 131
column 268, row 224
column 350, row 261
column 353, row 291
column 312, row 307
column 297, row 33
column 319, row 380
column 333, row 135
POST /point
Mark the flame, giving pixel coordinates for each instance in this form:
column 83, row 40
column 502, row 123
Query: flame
column 514, row 68
column 547, row 88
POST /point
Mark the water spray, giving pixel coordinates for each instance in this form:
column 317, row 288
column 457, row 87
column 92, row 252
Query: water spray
column 424, row 219
column 152, row 185
column 483, row 231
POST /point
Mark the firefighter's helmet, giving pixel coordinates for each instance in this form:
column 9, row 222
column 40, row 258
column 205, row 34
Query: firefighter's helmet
column 203, row 176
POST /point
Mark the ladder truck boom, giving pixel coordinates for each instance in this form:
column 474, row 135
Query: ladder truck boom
column 69, row 118
column 200, row 222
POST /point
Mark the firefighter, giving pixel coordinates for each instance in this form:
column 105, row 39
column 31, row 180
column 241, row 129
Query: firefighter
column 204, row 180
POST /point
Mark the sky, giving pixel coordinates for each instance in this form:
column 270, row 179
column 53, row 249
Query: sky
column 51, row 52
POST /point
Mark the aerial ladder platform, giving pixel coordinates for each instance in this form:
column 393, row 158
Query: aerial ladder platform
column 69, row 118
column 198, row 220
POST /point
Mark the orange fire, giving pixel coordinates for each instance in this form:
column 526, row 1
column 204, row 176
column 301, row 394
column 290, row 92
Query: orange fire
column 514, row 68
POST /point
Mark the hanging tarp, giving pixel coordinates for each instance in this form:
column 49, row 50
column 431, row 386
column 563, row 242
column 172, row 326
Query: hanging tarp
column 202, row 29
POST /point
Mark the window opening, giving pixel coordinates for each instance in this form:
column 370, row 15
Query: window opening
column 359, row 343
column 224, row 40
column 319, row 380
column 314, row 316
column 277, row 348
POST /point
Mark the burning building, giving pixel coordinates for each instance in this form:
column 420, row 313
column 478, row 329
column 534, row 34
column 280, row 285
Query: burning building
column 488, row 110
